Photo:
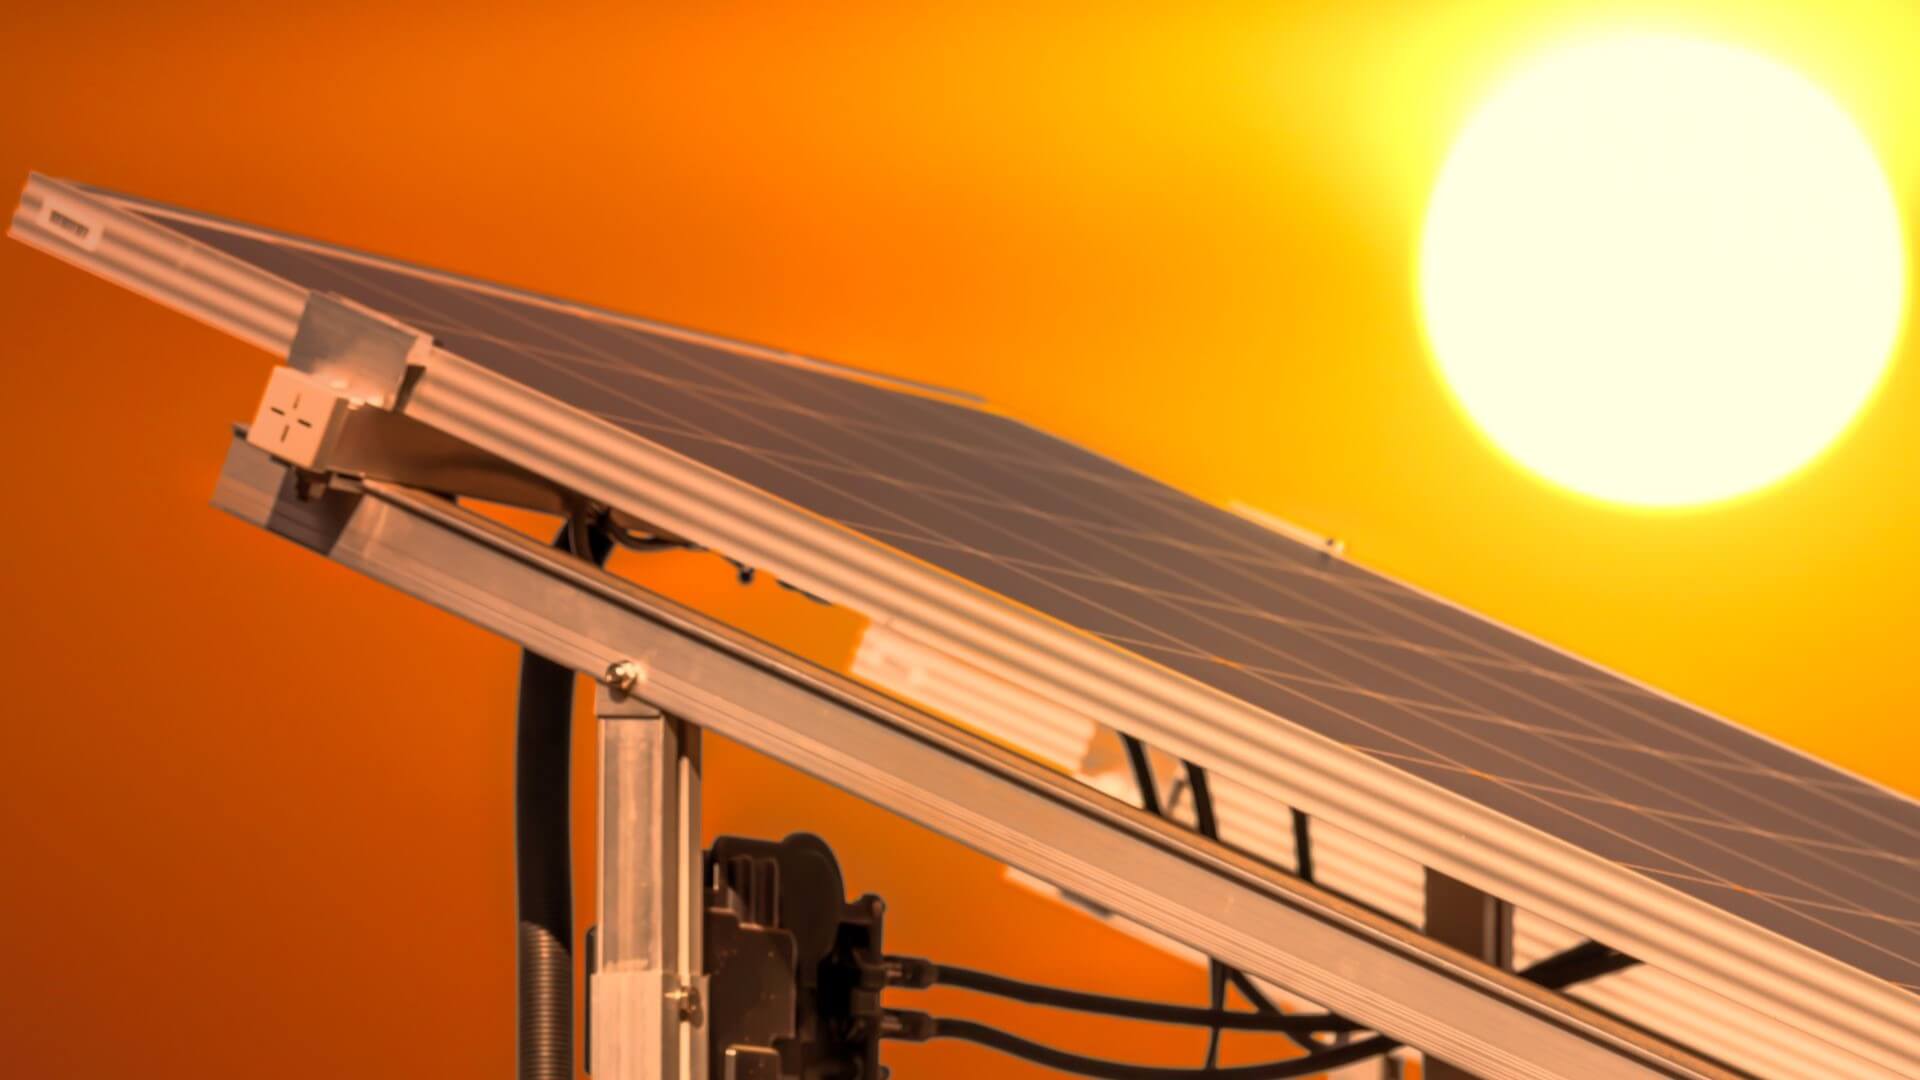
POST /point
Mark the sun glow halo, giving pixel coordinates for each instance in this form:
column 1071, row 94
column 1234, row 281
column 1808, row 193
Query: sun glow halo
column 1661, row 271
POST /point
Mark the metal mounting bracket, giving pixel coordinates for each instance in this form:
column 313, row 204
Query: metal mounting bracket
column 361, row 353
column 334, row 409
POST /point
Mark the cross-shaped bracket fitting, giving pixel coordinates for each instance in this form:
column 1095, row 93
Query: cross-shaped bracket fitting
column 337, row 409
column 300, row 420
column 343, row 357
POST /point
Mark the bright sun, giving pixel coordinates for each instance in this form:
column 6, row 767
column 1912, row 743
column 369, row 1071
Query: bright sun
column 1661, row 271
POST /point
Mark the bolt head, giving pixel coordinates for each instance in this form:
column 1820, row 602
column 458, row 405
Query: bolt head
column 623, row 675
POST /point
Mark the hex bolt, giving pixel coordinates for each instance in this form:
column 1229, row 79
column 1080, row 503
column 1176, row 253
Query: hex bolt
column 689, row 1005
column 622, row 676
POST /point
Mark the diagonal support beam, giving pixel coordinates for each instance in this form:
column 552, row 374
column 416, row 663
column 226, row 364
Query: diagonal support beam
column 1257, row 918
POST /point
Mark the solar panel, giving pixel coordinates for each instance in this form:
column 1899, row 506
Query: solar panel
column 1625, row 772
column 1081, row 598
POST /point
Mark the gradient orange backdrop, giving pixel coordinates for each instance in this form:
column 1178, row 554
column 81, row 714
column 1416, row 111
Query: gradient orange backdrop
column 257, row 809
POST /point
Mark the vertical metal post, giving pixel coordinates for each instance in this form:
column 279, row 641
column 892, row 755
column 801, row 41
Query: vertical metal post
column 649, row 992
column 1473, row 922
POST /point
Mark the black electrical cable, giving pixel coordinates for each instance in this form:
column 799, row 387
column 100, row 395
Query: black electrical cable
column 582, row 533
column 1302, row 847
column 1217, row 1000
column 1576, row 964
column 1130, row 1008
column 1579, row 963
column 1014, row 1045
column 1203, row 811
column 636, row 542
column 1563, row 969
column 1249, row 991
column 543, row 863
column 1143, row 774
column 1218, row 974
column 1303, row 867
column 1203, row 818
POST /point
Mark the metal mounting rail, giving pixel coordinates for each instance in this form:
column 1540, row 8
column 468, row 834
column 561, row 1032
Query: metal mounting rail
column 1160, row 875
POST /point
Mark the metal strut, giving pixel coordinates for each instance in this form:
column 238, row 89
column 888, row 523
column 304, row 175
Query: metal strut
column 647, row 997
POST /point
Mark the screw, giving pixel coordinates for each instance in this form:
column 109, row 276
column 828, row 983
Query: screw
column 689, row 1005
column 622, row 676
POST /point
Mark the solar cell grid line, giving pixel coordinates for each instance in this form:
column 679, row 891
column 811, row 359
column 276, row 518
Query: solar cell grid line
column 1406, row 678
column 908, row 530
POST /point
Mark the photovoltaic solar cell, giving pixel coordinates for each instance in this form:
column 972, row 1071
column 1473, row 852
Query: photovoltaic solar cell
column 1743, row 823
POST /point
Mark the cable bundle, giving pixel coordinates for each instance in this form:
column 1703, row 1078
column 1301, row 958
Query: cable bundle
column 1577, row 964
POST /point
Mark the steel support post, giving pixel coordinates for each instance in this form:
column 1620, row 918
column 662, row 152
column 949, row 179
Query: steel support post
column 648, row 989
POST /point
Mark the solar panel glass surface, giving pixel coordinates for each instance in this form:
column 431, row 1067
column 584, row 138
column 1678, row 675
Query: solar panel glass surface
column 1683, row 797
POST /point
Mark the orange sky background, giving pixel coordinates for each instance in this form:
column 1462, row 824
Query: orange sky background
column 258, row 808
